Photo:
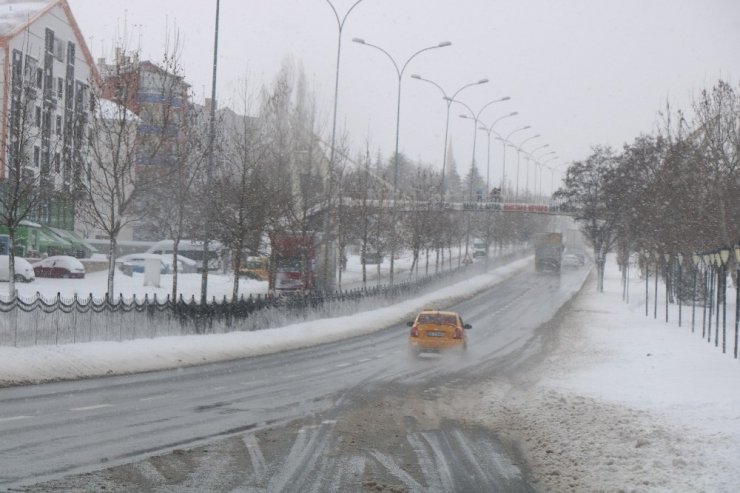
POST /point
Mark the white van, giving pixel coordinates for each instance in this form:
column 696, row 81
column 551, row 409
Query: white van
column 192, row 249
column 23, row 269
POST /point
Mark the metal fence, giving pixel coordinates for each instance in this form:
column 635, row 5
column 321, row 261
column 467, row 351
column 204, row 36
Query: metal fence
column 40, row 321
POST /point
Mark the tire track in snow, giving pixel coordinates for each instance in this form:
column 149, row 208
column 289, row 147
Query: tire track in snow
column 434, row 466
column 396, row 471
column 308, row 447
column 255, row 454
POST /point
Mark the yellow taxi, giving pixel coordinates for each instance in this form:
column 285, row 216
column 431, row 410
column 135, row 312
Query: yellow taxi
column 433, row 331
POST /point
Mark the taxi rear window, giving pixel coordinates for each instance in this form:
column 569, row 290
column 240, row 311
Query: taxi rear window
column 437, row 318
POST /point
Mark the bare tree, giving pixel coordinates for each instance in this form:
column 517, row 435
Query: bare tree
column 241, row 194
column 590, row 194
column 114, row 181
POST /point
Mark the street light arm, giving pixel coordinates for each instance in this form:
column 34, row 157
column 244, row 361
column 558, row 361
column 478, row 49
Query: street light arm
column 395, row 65
column 547, row 154
column 531, row 154
column 439, row 45
column 340, row 22
column 444, row 94
column 521, row 145
column 505, row 98
column 472, row 113
column 399, row 71
column 513, row 113
column 482, row 81
column 515, row 131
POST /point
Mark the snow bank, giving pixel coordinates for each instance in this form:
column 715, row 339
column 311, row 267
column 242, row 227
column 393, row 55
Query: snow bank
column 45, row 363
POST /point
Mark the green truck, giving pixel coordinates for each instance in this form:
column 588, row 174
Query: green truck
column 548, row 252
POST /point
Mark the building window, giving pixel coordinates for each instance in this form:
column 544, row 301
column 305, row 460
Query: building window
column 30, row 72
column 36, row 156
column 38, row 117
column 60, row 87
column 46, row 122
column 39, row 78
column 56, row 162
column 59, row 46
column 70, row 53
column 59, row 125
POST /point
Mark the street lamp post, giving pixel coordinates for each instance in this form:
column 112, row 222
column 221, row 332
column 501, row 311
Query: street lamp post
column 476, row 119
column 209, row 164
column 448, row 100
column 553, row 155
column 519, row 148
column 489, row 130
column 399, row 73
column 330, row 173
column 534, row 174
column 340, row 26
column 506, row 142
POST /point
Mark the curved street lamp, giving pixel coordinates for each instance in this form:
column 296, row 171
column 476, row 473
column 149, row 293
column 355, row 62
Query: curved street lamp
column 209, row 157
column 519, row 149
column 489, row 130
column 506, row 142
column 552, row 171
column 330, row 173
column 541, row 164
column 399, row 73
column 534, row 174
column 476, row 119
column 340, row 26
column 448, row 100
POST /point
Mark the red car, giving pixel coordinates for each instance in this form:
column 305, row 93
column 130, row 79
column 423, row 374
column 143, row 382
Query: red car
column 62, row 266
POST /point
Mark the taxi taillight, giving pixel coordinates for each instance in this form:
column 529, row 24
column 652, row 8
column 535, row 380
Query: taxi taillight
column 414, row 331
column 458, row 333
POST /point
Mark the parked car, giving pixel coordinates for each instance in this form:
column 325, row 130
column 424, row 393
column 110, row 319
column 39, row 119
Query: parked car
column 135, row 262
column 23, row 270
column 434, row 331
column 63, row 266
column 571, row 260
column 373, row 258
column 185, row 265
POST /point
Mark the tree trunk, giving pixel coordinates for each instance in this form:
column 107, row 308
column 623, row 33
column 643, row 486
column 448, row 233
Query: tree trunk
column 111, row 266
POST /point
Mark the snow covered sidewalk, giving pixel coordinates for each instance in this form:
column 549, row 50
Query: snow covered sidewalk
column 624, row 403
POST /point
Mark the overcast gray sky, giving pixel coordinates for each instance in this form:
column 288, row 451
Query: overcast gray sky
column 580, row 72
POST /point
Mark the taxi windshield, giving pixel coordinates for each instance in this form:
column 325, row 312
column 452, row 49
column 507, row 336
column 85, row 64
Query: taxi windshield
column 437, row 318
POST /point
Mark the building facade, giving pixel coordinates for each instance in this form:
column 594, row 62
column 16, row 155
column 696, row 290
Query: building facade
column 45, row 99
column 160, row 101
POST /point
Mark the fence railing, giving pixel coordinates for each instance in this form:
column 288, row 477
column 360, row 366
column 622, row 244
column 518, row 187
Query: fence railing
column 61, row 320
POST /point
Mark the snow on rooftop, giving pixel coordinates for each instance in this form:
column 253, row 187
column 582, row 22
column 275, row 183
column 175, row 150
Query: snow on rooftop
column 110, row 110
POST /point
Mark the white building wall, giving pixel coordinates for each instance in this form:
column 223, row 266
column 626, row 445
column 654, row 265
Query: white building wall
column 31, row 42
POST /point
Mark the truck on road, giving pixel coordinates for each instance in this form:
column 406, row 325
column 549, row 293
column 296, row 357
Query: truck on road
column 548, row 252
column 293, row 263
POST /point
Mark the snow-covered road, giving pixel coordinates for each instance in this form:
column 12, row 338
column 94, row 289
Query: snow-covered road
column 620, row 402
